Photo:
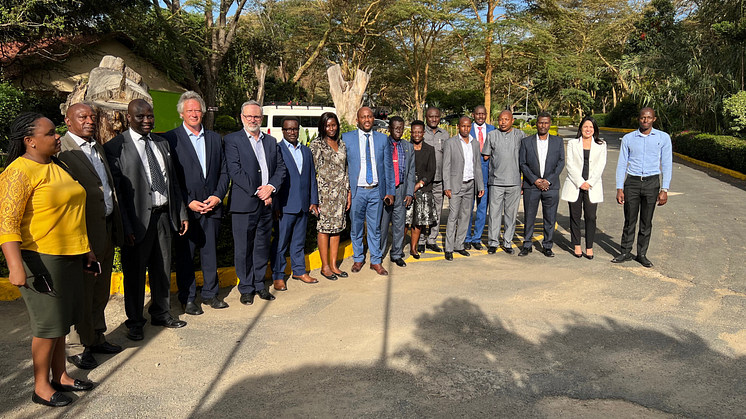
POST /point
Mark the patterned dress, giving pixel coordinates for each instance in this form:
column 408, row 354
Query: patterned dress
column 334, row 184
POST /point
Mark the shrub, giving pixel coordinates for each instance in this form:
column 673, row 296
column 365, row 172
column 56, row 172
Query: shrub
column 12, row 102
column 624, row 114
column 225, row 124
column 600, row 119
column 734, row 108
column 723, row 150
column 563, row 121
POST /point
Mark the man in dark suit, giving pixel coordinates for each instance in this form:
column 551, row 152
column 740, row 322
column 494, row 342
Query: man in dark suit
column 203, row 176
column 152, row 208
column 479, row 130
column 298, row 195
column 86, row 160
column 401, row 154
column 371, row 182
column 462, row 181
column 542, row 158
column 258, row 170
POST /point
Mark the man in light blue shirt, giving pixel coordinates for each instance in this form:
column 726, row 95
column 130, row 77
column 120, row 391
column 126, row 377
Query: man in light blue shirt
column 644, row 155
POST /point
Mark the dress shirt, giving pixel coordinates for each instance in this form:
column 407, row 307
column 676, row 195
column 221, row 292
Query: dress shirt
column 468, row 158
column 297, row 154
column 158, row 198
column 483, row 129
column 198, row 142
column 98, row 164
column 542, row 148
column 503, row 149
column 361, row 141
column 437, row 139
column 261, row 158
column 645, row 155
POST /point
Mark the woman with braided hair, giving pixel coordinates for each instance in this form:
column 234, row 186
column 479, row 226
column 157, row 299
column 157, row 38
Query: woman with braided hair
column 43, row 237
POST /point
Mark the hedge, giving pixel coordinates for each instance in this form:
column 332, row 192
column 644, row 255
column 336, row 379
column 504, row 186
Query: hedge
column 723, row 150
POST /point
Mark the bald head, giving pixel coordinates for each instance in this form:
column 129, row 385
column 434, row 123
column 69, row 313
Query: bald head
column 140, row 116
column 81, row 121
column 505, row 121
column 647, row 109
column 365, row 118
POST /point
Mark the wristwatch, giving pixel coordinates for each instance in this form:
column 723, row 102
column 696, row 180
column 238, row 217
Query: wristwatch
column 664, row 190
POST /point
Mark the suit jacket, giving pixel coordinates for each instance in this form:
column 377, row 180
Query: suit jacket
column 194, row 185
column 133, row 189
column 596, row 164
column 487, row 130
column 244, row 169
column 95, row 211
column 409, row 172
column 528, row 156
column 299, row 190
column 384, row 166
column 453, row 165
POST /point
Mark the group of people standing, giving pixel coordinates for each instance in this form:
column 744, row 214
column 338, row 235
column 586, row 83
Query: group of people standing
column 67, row 202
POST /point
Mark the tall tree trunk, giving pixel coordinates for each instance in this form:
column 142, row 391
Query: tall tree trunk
column 488, row 60
column 261, row 73
column 613, row 95
column 347, row 95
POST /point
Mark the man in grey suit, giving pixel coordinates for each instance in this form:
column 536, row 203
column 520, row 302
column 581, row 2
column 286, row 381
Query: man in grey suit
column 462, row 169
column 401, row 154
column 542, row 158
column 436, row 137
column 86, row 160
column 152, row 208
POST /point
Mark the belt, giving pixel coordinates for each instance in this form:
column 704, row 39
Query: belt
column 368, row 187
column 471, row 180
column 643, row 178
column 160, row 210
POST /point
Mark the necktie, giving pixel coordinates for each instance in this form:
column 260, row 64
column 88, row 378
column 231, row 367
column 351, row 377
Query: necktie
column 98, row 166
column 481, row 139
column 396, row 164
column 157, row 182
column 368, row 163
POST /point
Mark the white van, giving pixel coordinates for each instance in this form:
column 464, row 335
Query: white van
column 308, row 115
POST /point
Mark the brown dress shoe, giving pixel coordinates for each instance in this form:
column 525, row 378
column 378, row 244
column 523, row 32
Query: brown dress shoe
column 379, row 269
column 307, row 279
column 357, row 266
column 279, row 285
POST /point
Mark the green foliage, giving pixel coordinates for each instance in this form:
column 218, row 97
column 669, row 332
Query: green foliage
column 600, row 119
column 563, row 121
column 12, row 102
column 723, row 150
column 624, row 114
column 225, row 124
column 346, row 126
column 734, row 108
column 456, row 100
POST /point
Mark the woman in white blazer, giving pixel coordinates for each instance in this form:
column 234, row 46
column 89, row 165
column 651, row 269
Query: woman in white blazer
column 585, row 162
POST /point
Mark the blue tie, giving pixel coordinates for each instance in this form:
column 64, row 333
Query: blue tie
column 368, row 163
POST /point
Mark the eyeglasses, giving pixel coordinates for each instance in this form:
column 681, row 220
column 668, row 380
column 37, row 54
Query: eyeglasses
column 291, row 129
column 254, row 117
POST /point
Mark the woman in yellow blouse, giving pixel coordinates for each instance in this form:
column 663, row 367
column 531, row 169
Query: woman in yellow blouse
column 43, row 237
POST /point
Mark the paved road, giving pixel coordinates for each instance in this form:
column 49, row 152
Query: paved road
column 483, row 336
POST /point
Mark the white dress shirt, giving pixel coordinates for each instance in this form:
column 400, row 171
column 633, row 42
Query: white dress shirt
column 261, row 157
column 468, row 158
column 361, row 181
column 542, row 147
column 198, row 142
column 158, row 198
column 98, row 164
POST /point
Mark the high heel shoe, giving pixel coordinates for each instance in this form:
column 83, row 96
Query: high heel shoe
column 589, row 257
column 578, row 255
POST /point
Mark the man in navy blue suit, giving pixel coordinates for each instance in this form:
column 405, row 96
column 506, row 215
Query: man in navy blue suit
column 371, row 184
column 479, row 131
column 256, row 166
column 298, row 195
column 542, row 158
column 203, row 176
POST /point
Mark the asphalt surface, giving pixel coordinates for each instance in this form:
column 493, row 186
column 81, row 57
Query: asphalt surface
column 481, row 336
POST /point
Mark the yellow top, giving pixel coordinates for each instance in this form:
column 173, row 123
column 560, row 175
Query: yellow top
column 42, row 207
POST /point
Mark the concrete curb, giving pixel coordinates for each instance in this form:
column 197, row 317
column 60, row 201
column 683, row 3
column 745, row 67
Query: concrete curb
column 715, row 167
column 624, row 130
column 226, row 276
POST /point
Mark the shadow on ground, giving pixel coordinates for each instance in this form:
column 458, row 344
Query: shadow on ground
column 463, row 363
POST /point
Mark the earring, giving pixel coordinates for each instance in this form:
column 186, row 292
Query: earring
column 33, row 145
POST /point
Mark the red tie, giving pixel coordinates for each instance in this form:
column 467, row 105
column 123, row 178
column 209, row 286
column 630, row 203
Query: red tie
column 396, row 166
column 481, row 139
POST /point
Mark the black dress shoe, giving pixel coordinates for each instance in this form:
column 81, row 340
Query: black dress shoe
column 57, row 400
column 247, row 299
column 492, row 250
column 508, row 250
column 525, row 251
column 399, row 262
column 265, row 295
column 463, row 252
column 135, row 333
column 169, row 322
column 83, row 360
column 477, row 245
column 449, row 255
column 105, row 348
column 644, row 261
column 78, row 385
column 215, row 303
column 548, row 253
column 414, row 255
column 467, row 245
column 421, row 248
column 434, row 248
column 192, row 309
column 622, row 258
